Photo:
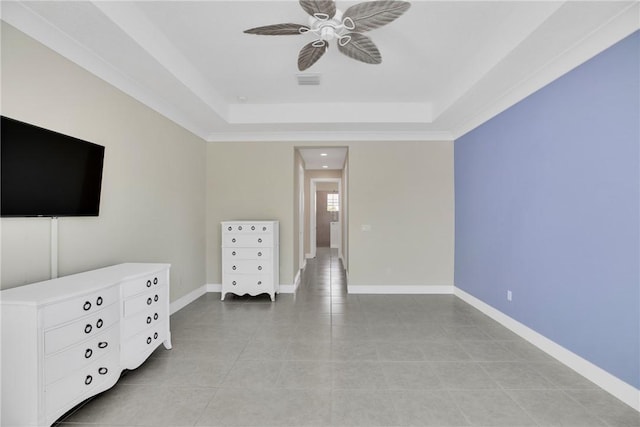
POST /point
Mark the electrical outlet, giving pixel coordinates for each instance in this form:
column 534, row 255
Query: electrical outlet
column 509, row 296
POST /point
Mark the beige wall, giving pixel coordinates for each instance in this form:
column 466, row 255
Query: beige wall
column 328, row 186
column 152, row 206
column 404, row 192
column 250, row 181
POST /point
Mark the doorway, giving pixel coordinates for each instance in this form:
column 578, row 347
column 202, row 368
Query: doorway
column 324, row 214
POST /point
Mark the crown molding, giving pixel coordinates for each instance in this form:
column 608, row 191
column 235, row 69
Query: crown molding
column 603, row 37
column 26, row 20
column 328, row 136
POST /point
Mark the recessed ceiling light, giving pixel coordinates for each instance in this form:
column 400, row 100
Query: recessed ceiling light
column 325, row 167
column 324, row 154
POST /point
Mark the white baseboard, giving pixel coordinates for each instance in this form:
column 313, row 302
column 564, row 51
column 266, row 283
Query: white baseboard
column 187, row 299
column 288, row 289
column 214, row 287
column 399, row 289
column 291, row 289
column 615, row 386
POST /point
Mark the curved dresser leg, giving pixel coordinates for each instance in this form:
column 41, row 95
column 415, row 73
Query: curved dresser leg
column 273, row 297
column 167, row 344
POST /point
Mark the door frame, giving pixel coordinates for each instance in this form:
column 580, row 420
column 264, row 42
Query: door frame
column 301, row 217
column 312, row 211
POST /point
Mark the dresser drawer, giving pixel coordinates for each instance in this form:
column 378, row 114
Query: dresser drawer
column 247, row 283
column 81, row 330
column 255, row 240
column 247, row 228
column 72, row 389
column 246, row 253
column 136, row 286
column 145, row 319
column 153, row 300
column 60, row 364
column 56, row 314
column 246, row 267
column 144, row 342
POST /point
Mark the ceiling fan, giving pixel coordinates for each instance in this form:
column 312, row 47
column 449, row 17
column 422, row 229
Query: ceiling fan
column 327, row 23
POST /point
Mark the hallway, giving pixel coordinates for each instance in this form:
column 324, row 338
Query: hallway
column 325, row 358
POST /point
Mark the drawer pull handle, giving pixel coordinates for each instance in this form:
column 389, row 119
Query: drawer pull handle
column 155, row 298
column 264, row 228
column 234, row 283
column 149, row 301
column 99, row 323
column 103, row 370
column 259, row 267
column 155, row 316
column 88, row 380
column 88, row 352
column 259, row 282
column 155, row 336
column 240, row 228
column 103, row 344
column 148, row 340
column 259, row 240
column 253, row 227
column 229, row 228
column 148, row 320
column 99, row 301
column 233, row 253
column 233, row 268
column 155, row 280
column 148, row 283
column 259, row 253
column 233, row 240
column 86, row 306
column 87, row 329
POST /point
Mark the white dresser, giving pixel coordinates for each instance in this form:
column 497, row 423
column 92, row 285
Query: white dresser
column 67, row 339
column 250, row 258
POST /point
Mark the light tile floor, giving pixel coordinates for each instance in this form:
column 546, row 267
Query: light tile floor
column 325, row 358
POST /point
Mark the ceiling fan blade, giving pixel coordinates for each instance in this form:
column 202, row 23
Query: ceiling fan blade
column 310, row 53
column 369, row 15
column 360, row 48
column 278, row 30
column 321, row 9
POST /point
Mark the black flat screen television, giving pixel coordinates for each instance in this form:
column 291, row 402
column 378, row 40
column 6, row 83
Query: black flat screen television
column 45, row 173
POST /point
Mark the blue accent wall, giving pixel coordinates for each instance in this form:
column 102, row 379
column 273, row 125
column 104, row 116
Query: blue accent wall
column 547, row 200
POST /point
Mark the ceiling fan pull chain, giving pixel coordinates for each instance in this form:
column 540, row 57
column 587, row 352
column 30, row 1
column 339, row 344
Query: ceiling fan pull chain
column 348, row 23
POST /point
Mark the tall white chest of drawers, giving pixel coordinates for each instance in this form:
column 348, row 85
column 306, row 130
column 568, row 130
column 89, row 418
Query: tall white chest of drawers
column 250, row 258
column 67, row 339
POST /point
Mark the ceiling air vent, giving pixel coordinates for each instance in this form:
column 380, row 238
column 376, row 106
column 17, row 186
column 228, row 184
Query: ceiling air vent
column 308, row 79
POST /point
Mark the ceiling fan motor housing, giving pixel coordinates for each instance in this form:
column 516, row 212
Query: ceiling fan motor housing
column 327, row 29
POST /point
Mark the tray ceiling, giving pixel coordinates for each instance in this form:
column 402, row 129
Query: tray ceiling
column 447, row 66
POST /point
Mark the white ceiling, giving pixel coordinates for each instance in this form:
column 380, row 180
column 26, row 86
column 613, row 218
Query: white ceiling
column 324, row 158
column 447, row 65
